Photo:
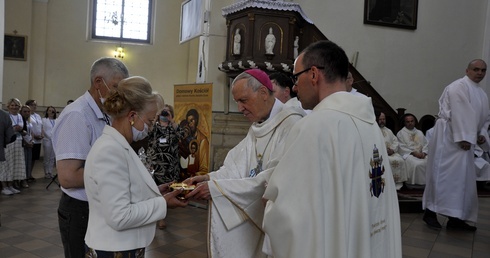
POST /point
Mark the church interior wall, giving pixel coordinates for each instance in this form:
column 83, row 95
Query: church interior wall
column 409, row 68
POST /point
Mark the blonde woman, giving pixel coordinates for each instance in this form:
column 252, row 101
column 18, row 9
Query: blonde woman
column 124, row 201
column 14, row 153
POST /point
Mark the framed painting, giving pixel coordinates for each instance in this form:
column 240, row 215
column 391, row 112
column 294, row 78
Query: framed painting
column 391, row 13
column 15, row 47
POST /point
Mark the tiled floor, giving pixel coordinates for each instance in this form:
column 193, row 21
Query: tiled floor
column 30, row 229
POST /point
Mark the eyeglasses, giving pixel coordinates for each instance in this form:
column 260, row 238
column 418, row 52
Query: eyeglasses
column 295, row 76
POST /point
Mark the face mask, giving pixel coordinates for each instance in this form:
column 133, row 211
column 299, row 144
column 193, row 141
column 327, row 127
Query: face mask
column 137, row 134
column 102, row 100
column 164, row 119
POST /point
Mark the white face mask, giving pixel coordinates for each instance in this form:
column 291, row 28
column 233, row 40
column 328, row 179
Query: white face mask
column 137, row 134
column 102, row 100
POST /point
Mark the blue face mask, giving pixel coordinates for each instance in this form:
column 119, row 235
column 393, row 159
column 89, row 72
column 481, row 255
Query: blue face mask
column 137, row 134
column 164, row 119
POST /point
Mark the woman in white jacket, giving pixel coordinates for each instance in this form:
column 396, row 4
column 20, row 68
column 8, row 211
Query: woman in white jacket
column 124, row 201
column 49, row 121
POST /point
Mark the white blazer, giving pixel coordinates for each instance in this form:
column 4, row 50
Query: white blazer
column 124, row 201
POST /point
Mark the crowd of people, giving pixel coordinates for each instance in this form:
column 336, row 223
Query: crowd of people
column 316, row 175
column 30, row 133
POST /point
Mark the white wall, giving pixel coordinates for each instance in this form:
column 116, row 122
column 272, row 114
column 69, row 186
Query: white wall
column 408, row 68
column 2, row 28
column 57, row 66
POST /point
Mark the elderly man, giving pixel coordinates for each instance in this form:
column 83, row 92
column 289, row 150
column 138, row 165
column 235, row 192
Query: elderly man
column 236, row 189
column 463, row 123
column 76, row 130
column 397, row 163
column 331, row 195
column 414, row 149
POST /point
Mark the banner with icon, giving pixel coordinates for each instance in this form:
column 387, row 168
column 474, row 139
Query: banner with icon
column 193, row 112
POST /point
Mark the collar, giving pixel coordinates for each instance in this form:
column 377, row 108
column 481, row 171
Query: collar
column 93, row 105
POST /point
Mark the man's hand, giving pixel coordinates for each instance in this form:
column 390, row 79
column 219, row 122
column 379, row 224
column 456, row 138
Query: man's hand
column 201, row 192
column 481, row 139
column 196, row 179
column 390, row 151
column 419, row 155
column 464, row 145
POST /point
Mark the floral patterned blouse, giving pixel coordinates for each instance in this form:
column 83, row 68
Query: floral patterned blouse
column 163, row 152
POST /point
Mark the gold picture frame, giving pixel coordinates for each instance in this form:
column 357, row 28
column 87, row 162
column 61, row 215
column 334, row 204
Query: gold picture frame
column 15, row 47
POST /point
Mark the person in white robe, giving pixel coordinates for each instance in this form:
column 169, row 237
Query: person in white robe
column 283, row 90
column 236, row 188
column 397, row 163
column 349, row 88
column 482, row 165
column 451, row 177
column 332, row 194
column 414, row 149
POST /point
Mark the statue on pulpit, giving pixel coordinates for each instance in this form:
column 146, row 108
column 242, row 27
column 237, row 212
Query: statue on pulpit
column 296, row 46
column 270, row 41
column 236, row 42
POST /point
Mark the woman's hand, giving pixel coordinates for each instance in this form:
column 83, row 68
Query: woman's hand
column 164, row 188
column 173, row 201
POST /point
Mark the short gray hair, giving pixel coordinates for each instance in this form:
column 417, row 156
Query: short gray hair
column 251, row 81
column 108, row 68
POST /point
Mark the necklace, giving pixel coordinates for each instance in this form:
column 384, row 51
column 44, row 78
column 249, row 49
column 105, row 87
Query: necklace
column 259, row 156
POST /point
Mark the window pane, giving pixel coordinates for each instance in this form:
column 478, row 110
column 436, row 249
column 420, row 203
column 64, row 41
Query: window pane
column 122, row 20
column 108, row 20
column 136, row 19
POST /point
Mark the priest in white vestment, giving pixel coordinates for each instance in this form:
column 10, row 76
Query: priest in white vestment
column 236, row 189
column 397, row 163
column 349, row 88
column 332, row 193
column 451, row 177
column 414, row 149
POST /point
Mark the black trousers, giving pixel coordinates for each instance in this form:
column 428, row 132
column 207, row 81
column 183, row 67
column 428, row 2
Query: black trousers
column 73, row 221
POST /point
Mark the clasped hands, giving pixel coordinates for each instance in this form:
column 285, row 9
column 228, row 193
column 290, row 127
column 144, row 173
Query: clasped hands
column 420, row 155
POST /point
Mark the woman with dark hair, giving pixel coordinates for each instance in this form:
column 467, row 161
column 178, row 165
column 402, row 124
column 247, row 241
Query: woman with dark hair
column 163, row 149
column 36, row 132
column 49, row 121
column 27, row 143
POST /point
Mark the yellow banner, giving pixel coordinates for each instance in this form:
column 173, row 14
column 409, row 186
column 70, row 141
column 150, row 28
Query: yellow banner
column 193, row 111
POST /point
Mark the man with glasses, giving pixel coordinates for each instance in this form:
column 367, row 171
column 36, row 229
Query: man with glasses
column 332, row 193
column 76, row 130
column 237, row 187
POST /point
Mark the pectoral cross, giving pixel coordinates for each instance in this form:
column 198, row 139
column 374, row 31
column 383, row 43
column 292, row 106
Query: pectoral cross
column 255, row 171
